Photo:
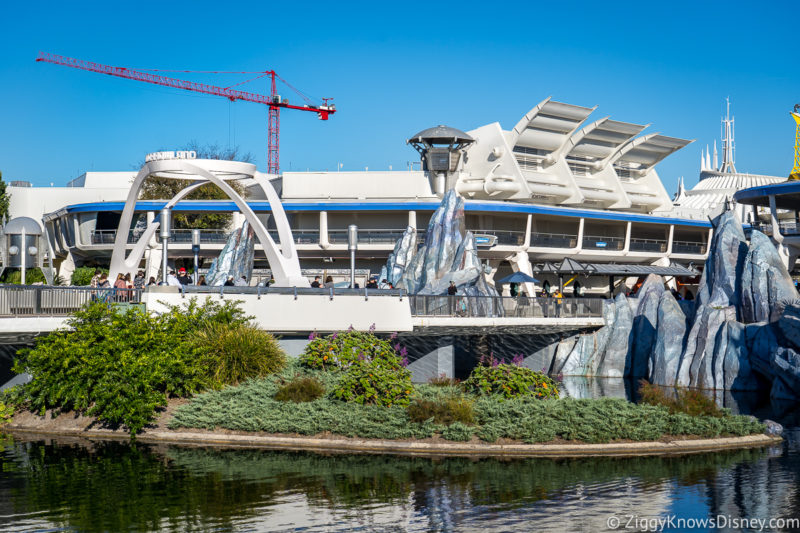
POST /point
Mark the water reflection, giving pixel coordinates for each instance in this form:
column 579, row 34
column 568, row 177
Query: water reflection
column 113, row 486
column 110, row 486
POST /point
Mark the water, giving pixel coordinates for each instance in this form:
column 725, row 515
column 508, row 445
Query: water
column 110, row 486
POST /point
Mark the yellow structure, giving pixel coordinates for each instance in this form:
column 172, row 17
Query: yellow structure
column 795, row 174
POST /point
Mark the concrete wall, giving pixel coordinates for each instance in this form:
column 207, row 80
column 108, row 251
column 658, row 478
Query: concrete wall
column 283, row 313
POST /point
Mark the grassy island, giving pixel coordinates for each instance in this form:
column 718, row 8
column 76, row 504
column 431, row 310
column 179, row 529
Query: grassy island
column 123, row 367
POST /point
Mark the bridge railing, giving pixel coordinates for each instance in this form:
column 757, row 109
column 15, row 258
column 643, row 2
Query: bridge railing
column 504, row 306
column 43, row 300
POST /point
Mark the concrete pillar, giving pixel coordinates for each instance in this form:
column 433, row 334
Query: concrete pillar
column 439, row 361
column 627, row 245
column 520, row 262
column 323, row 230
column 528, row 224
column 579, row 245
column 670, row 238
column 412, row 219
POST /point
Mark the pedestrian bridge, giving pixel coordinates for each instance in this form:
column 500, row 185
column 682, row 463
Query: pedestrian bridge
column 29, row 311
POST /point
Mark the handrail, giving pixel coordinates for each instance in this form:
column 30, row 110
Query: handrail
column 47, row 300
column 503, row 306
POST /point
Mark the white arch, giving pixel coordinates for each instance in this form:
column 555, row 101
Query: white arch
column 285, row 264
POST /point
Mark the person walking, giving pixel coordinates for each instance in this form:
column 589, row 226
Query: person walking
column 138, row 280
column 172, row 281
column 452, row 291
column 183, row 277
column 96, row 278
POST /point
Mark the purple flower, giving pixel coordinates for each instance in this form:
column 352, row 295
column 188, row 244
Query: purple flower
column 544, row 370
column 404, row 361
column 495, row 362
column 372, row 328
column 334, row 336
column 393, row 336
column 312, row 336
column 351, row 328
column 518, row 358
column 403, row 351
column 397, row 347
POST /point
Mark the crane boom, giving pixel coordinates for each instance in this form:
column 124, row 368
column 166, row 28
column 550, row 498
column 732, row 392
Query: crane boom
column 273, row 100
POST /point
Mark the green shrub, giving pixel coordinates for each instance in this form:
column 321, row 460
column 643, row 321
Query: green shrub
column 121, row 367
column 305, row 389
column 458, row 431
column 380, row 381
column 683, row 400
column 509, row 381
column 340, row 350
column 13, row 276
column 82, row 276
column 6, row 412
column 446, row 411
column 443, row 381
column 235, row 352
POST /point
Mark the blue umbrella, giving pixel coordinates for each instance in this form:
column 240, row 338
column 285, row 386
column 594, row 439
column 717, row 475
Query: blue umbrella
column 518, row 277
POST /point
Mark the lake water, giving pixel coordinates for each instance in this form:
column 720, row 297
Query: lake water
column 111, row 486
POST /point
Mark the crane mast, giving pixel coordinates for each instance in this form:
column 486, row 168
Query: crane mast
column 273, row 100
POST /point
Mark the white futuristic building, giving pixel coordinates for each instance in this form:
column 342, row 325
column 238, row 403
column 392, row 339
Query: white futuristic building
column 559, row 184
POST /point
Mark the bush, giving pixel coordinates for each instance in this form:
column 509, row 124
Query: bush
column 340, row 350
column 6, row 412
column 446, row 411
column 306, row 389
column 380, row 381
column 683, row 400
column 121, row 367
column 509, row 381
column 233, row 353
column 82, row 276
column 443, row 381
column 32, row 275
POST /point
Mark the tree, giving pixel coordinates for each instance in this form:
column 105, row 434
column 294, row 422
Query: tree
column 5, row 199
column 164, row 188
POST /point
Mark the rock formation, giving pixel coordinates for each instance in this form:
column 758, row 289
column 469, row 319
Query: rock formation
column 743, row 333
column 235, row 259
column 448, row 254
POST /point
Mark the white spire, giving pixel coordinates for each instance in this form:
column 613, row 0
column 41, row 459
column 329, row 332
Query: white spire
column 702, row 160
column 708, row 159
column 680, row 191
column 728, row 157
column 716, row 161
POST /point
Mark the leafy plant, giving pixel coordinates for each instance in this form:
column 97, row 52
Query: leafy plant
column 380, row 381
column 234, row 352
column 446, row 411
column 304, row 389
column 82, row 276
column 682, row 400
column 32, row 275
column 121, row 367
column 509, row 380
column 6, row 412
column 342, row 349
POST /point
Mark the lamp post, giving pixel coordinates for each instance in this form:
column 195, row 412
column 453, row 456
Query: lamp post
column 165, row 235
column 196, row 252
column 352, row 245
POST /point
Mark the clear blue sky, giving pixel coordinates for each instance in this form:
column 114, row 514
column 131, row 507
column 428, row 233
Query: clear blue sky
column 393, row 69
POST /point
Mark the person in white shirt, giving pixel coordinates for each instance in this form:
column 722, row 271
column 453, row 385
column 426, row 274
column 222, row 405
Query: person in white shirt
column 172, row 281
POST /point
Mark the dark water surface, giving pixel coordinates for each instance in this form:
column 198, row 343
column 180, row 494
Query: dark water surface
column 111, row 486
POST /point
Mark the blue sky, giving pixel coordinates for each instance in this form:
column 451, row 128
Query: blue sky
column 392, row 69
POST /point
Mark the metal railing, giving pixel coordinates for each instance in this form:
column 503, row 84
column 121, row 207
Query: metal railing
column 207, row 236
column 688, row 247
column 554, row 240
column 372, row 236
column 44, row 300
column 786, row 228
column 648, row 245
column 505, row 306
column 603, row 242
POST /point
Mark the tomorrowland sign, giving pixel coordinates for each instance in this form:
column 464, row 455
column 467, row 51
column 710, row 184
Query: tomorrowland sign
column 161, row 156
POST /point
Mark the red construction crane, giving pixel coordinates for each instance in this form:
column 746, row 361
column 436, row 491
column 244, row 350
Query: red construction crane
column 273, row 100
